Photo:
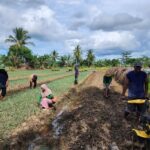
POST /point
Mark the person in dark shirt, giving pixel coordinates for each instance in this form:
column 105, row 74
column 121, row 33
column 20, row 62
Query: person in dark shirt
column 76, row 69
column 136, row 82
column 3, row 81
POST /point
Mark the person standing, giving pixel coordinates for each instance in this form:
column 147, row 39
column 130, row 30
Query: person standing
column 136, row 81
column 3, row 81
column 76, row 69
column 107, row 79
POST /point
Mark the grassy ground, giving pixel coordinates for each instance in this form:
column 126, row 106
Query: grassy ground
column 20, row 73
column 26, row 73
column 18, row 107
column 21, row 82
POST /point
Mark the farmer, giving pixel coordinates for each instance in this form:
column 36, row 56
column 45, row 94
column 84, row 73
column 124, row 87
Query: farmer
column 33, row 81
column 107, row 79
column 46, row 99
column 3, row 81
column 136, row 81
column 76, row 69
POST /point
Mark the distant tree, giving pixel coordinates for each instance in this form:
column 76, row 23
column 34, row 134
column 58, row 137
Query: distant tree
column 18, row 52
column 34, row 62
column 145, row 60
column 77, row 54
column 20, row 37
column 107, row 63
column 2, row 57
column 115, row 62
column 19, row 55
column 45, row 61
column 69, row 61
column 63, row 60
column 99, row 63
column 126, row 55
column 131, row 61
column 90, row 57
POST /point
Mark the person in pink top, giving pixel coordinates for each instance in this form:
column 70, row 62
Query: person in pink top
column 46, row 99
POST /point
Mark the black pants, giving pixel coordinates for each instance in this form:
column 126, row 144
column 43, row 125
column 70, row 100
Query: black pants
column 76, row 79
column 139, row 108
column 3, row 91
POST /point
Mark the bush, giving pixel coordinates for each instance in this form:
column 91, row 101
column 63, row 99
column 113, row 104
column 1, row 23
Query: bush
column 55, row 69
column 12, row 69
column 69, row 69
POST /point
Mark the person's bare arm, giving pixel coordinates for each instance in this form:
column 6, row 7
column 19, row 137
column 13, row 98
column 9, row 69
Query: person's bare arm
column 125, row 86
column 7, row 83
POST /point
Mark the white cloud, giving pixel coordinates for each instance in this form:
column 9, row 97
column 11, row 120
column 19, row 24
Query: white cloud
column 63, row 24
column 115, row 22
column 110, row 40
column 69, row 2
column 22, row 3
column 41, row 22
column 71, row 44
column 106, row 42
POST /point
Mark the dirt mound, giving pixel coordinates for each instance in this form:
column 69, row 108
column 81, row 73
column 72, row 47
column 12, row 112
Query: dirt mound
column 95, row 124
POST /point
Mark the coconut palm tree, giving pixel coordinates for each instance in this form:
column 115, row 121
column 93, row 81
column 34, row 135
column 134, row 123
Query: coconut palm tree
column 20, row 37
column 90, row 57
column 77, row 54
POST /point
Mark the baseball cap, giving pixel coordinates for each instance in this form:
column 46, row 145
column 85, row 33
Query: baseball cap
column 138, row 64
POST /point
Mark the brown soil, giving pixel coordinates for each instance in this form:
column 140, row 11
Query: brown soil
column 84, row 120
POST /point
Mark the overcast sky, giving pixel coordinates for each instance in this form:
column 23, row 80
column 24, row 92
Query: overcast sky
column 106, row 26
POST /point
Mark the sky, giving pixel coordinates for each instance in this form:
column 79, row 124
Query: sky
column 109, row 27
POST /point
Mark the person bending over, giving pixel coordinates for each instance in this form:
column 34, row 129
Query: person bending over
column 33, row 81
column 46, row 99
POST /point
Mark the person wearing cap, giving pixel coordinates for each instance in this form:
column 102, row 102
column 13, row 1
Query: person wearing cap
column 33, row 81
column 107, row 79
column 3, row 81
column 76, row 69
column 136, row 81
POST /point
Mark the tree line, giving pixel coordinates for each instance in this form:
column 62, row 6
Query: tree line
column 20, row 55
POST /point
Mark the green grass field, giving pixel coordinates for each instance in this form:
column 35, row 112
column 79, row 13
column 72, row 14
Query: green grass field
column 26, row 73
column 22, row 73
column 20, row 106
column 22, row 82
